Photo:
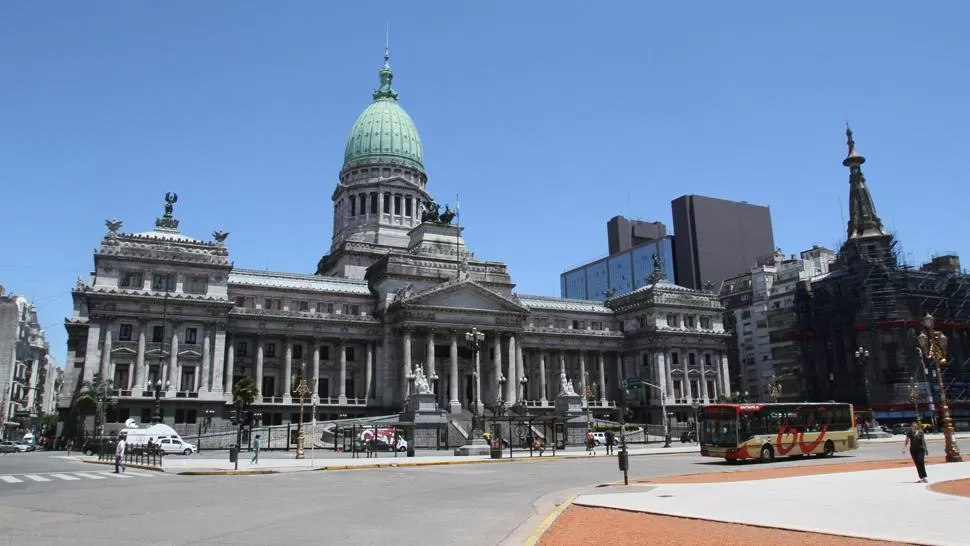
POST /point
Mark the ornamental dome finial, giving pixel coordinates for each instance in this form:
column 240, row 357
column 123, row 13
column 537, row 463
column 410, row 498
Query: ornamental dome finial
column 386, row 91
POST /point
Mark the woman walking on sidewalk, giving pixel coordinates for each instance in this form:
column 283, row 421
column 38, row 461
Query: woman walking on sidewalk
column 917, row 449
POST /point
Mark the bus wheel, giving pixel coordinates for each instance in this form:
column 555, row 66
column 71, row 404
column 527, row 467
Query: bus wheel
column 767, row 454
column 828, row 450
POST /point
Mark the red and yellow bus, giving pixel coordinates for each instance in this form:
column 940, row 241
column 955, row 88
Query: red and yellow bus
column 766, row 431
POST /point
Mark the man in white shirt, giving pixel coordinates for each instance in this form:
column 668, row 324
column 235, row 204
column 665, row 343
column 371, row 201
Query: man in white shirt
column 120, row 455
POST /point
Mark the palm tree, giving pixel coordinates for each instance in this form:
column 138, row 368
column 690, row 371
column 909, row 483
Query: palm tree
column 94, row 396
column 244, row 391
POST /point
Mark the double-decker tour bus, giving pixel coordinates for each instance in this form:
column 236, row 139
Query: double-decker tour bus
column 765, row 431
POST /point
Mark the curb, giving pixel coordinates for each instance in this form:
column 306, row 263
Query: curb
column 226, row 472
column 138, row 466
column 438, row 463
column 547, row 523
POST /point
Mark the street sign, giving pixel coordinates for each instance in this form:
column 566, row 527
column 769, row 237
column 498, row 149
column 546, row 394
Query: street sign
column 633, row 384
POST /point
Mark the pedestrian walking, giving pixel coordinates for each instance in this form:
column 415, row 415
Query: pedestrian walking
column 120, row 455
column 590, row 443
column 610, row 441
column 256, row 442
column 916, row 440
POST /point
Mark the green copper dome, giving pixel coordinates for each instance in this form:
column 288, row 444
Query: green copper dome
column 384, row 130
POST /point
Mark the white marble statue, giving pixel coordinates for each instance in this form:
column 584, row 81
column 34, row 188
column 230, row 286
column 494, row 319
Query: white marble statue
column 421, row 385
column 566, row 385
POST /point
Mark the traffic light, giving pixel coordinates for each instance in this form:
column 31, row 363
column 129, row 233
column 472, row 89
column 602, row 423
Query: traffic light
column 233, row 417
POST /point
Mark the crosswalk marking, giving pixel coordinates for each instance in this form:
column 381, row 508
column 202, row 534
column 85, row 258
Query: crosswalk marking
column 140, row 474
column 89, row 476
column 36, row 478
column 72, row 476
column 65, row 477
column 10, row 479
column 113, row 475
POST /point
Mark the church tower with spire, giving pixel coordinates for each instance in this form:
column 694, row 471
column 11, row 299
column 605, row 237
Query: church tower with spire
column 866, row 239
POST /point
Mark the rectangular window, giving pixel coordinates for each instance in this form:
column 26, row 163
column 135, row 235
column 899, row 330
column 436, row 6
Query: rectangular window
column 693, row 390
column 711, row 390
column 158, row 334
column 163, row 282
column 270, row 349
column 542, row 322
column 240, row 301
column 674, row 359
column 191, row 336
column 304, row 306
column 242, row 348
column 746, row 314
column 579, row 325
column 351, row 354
column 691, row 359
column 373, row 202
column 350, row 309
column 131, row 279
column 121, row 376
column 196, row 285
column 124, row 332
column 325, row 352
column 407, row 206
column 188, row 379
column 298, row 351
column 397, row 205
column 678, row 391
column 321, row 307
column 353, row 206
column 387, row 203
column 597, row 325
column 706, row 323
column 146, row 415
column 688, row 321
column 671, row 320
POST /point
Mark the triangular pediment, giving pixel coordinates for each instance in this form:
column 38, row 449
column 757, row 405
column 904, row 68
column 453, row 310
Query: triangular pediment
column 465, row 295
column 123, row 351
column 190, row 352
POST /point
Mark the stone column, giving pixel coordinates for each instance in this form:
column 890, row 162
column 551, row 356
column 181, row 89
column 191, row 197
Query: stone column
column 259, row 369
column 703, row 380
column 316, row 370
column 91, row 355
column 661, row 368
column 454, row 405
column 369, row 371
column 497, row 362
column 407, row 364
column 582, row 377
column 542, row 378
column 173, row 361
column 519, row 372
column 230, row 367
column 511, row 387
column 203, row 381
column 288, row 372
column 429, row 359
column 105, row 369
column 725, row 375
column 619, row 375
column 562, row 362
column 602, row 371
column 686, row 382
column 218, row 360
column 342, row 396
column 141, row 374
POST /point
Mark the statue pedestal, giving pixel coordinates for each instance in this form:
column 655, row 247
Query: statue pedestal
column 425, row 418
column 476, row 445
column 569, row 405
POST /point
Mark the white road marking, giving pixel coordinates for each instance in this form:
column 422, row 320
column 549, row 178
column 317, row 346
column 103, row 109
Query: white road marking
column 36, row 478
column 11, row 479
column 89, row 476
column 140, row 474
column 65, row 477
column 113, row 475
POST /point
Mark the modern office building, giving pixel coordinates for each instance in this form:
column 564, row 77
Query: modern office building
column 391, row 303
column 718, row 239
column 635, row 243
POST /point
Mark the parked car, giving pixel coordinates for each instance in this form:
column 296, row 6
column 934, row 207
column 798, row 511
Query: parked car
column 7, row 446
column 93, row 446
column 25, row 446
column 173, row 446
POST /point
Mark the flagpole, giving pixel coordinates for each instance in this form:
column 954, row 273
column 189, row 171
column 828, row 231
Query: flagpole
column 457, row 236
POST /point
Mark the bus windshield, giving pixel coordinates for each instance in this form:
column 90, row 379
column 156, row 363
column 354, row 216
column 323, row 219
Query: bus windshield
column 718, row 426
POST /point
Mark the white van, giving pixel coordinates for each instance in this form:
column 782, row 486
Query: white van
column 161, row 435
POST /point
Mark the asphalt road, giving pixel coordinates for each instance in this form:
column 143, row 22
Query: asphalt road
column 447, row 505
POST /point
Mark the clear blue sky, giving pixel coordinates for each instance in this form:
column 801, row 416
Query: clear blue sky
column 547, row 117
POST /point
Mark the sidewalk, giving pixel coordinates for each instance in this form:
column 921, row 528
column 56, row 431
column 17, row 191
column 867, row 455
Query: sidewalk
column 875, row 504
column 327, row 461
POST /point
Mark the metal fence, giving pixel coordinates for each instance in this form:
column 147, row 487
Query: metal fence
column 146, row 457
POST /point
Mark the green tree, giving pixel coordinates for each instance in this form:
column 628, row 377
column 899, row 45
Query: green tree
column 244, row 391
column 47, row 424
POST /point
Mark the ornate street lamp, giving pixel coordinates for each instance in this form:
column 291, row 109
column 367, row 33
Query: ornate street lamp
column 302, row 390
column 862, row 355
column 157, row 415
column 933, row 344
column 474, row 341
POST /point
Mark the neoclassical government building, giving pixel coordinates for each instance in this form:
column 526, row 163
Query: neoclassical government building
column 398, row 290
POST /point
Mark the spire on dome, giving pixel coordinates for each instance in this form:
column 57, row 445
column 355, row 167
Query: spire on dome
column 385, row 91
column 863, row 221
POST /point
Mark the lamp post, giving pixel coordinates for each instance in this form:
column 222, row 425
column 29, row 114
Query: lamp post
column 914, row 395
column 774, row 389
column 302, row 390
column 933, row 343
column 157, row 414
column 474, row 341
column 862, row 355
